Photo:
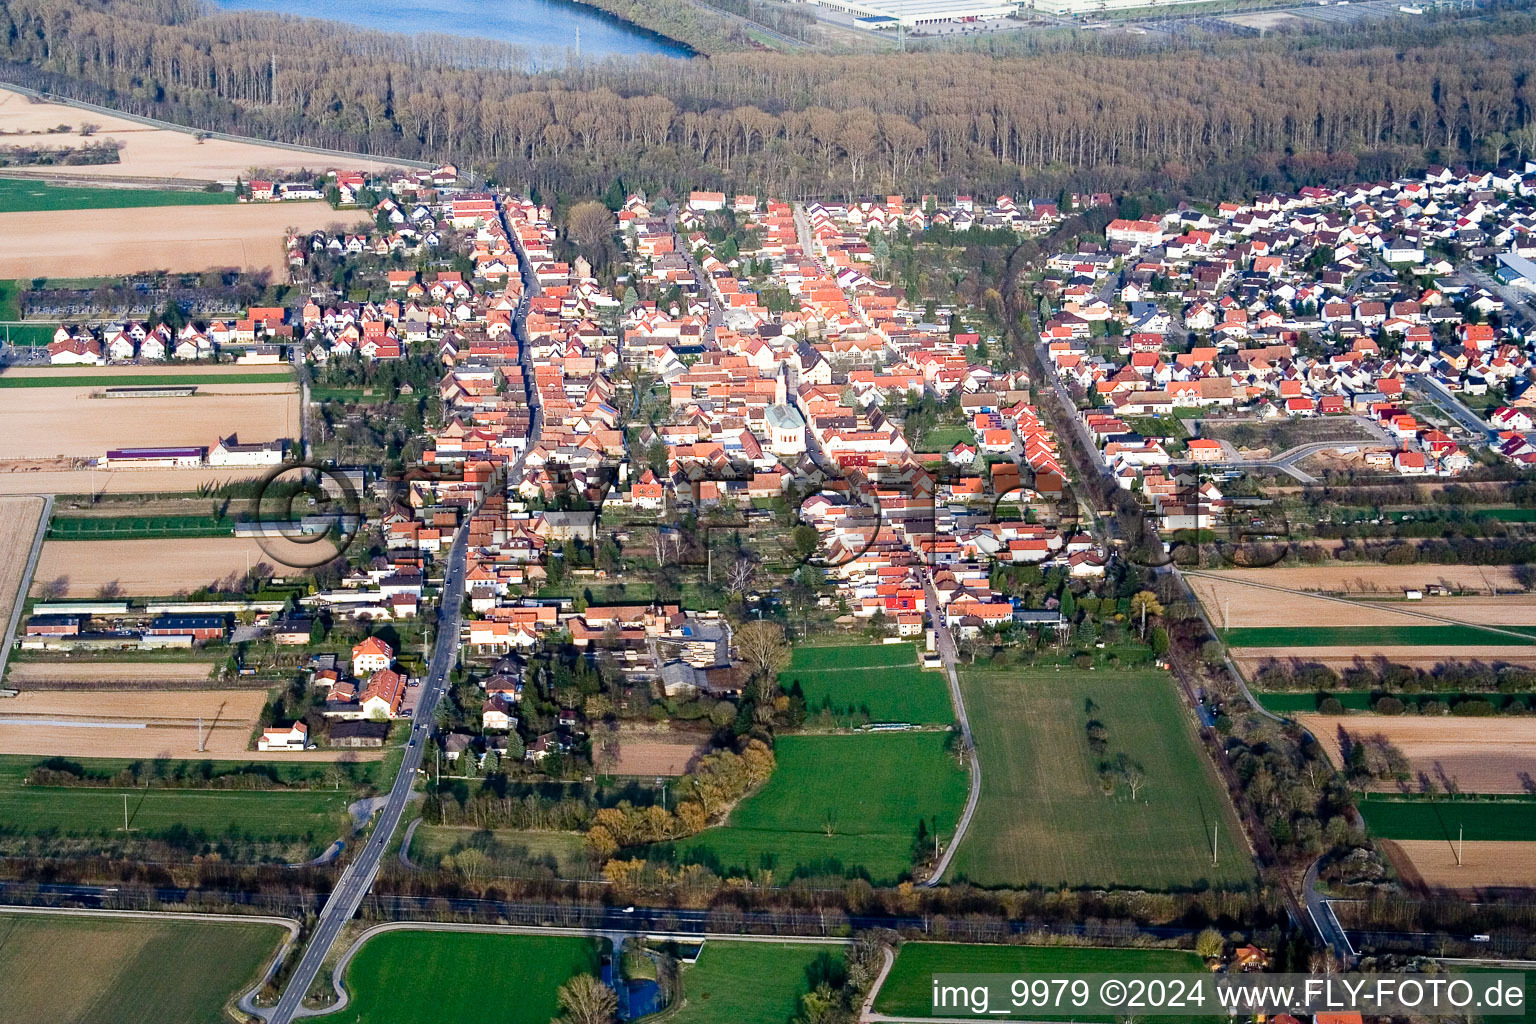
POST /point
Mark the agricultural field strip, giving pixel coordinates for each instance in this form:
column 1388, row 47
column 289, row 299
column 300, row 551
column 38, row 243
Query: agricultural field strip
column 1235, row 636
column 1471, row 755
column 30, row 194
column 112, row 380
column 127, row 967
column 1464, row 866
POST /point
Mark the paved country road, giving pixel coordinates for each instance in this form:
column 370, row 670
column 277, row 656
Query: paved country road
column 946, row 645
column 359, row 874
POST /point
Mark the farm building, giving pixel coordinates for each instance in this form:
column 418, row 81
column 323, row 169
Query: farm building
column 152, row 391
column 358, row 733
column 155, row 458
column 284, row 737
column 230, row 452
column 53, row 625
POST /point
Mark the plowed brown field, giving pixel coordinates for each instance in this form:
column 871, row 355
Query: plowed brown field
column 69, row 422
column 161, row 568
column 41, row 673
column 149, row 151
column 656, row 757
column 1432, row 863
column 1477, row 755
column 112, row 243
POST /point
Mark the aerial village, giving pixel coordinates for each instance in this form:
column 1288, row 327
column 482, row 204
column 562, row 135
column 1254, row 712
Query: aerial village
column 771, row 364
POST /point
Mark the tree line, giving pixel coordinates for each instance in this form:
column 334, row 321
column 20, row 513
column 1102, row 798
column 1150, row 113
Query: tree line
column 1206, row 116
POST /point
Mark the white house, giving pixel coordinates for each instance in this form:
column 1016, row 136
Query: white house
column 285, row 737
column 230, row 452
column 370, row 656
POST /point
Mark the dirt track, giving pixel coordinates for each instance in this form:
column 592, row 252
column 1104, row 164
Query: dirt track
column 110, row 243
column 161, row 568
column 1484, row 865
column 1477, row 755
column 72, row 422
column 150, row 152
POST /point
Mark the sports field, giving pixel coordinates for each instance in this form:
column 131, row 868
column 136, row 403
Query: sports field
column 882, row 682
column 461, row 976
column 311, row 817
column 753, row 982
column 908, row 989
column 843, row 805
column 1044, row 817
column 1446, row 820
column 1374, row 636
column 17, row 195
column 57, row 969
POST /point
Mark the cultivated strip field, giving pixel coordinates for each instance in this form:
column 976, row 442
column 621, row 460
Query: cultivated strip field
column 1476, row 755
column 129, row 723
column 150, row 152
column 1236, row 604
column 1424, row 635
column 1044, row 816
column 111, row 243
column 74, row 422
column 27, row 674
column 18, row 528
column 194, row 373
column 41, row 195
column 151, row 568
column 57, row 477
column 58, row 969
column 1377, row 580
column 1484, row 865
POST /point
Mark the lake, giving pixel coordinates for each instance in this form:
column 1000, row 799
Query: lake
column 542, row 26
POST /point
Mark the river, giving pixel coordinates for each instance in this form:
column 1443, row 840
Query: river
column 543, row 27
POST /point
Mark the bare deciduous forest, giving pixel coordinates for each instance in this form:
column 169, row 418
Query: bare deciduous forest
column 1215, row 117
